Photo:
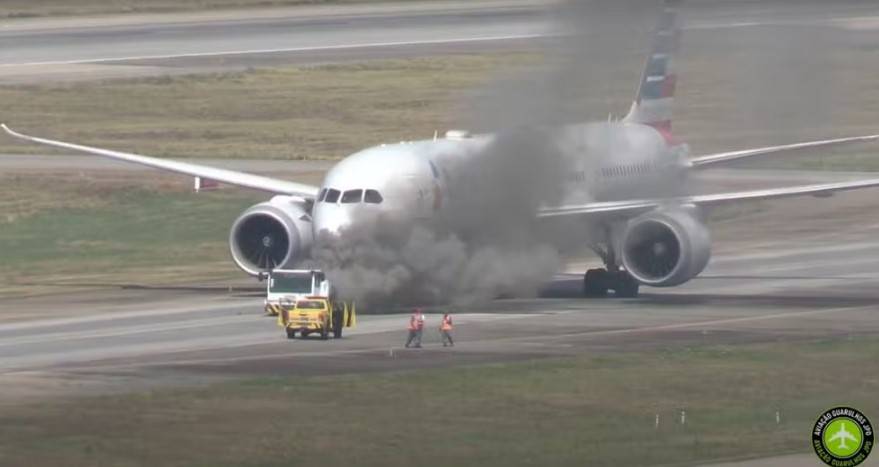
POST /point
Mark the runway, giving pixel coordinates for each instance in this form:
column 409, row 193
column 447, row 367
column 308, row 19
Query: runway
column 776, row 275
column 795, row 269
column 140, row 45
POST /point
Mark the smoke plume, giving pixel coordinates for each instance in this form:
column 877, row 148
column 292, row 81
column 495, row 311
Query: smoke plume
column 492, row 243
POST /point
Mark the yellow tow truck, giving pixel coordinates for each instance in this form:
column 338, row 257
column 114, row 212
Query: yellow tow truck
column 316, row 315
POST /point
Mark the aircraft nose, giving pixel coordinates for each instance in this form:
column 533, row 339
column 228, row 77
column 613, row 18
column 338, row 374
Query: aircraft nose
column 332, row 220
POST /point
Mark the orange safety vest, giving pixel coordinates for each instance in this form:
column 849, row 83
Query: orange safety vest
column 416, row 322
column 447, row 323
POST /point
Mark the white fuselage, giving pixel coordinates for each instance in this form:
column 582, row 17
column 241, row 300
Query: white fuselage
column 419, row 180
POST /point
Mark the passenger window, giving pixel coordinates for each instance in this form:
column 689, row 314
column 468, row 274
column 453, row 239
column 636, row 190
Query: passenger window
column 322, row 195
column 352, row 196
column 332, row 196
column 373, row 197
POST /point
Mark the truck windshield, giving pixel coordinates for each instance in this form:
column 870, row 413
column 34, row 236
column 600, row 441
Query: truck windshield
column 291, row 284
column 310, row 305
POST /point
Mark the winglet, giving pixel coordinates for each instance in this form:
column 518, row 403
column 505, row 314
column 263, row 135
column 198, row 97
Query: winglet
column 12, row 133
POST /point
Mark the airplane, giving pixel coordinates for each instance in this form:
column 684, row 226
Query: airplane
column 842, row 436
column 644, row 235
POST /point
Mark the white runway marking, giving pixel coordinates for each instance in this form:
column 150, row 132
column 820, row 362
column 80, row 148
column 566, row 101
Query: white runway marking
column 124, row 349
column 732, row 25
column 699, row 324
column 124, row 330
column 298, row 353
column 278, row 50
column 122, row 316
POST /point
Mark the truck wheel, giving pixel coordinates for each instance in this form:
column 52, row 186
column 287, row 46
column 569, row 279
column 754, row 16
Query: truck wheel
column 291, row 334
column 338, row 325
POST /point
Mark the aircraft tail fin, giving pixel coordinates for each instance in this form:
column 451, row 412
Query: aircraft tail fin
column 653, row 105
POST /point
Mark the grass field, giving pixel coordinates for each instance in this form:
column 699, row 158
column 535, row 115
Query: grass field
column 327, row 112
column 288, row 113
column 595, row 410
column 95, row 228
column 62, row 229
column 73, row 231
column 39, row 8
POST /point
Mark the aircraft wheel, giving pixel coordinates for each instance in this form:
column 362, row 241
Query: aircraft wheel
column 595, row 283
column 626, row 286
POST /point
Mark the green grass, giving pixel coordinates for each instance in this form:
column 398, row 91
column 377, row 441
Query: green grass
column 81, row 231
column 596, row 410
column 328, row 112
column 55, row 225
column 40, row 8
column 288, row 113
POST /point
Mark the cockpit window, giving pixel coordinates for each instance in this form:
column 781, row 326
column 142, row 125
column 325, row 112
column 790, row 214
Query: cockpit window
column 322, row 195
column 332, row 196
column 373, row 197
column 352, row 196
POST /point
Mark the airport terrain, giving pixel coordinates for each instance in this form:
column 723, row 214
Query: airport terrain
column 785, row 311
column 62, row 8
column 128, row 338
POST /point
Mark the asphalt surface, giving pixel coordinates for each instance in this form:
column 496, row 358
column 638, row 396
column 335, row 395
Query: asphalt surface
column 796, row 269
column 789, row 270
column 763, row 281
column 40, row 50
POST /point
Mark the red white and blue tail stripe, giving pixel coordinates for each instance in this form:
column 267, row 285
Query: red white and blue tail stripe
column 653, row 105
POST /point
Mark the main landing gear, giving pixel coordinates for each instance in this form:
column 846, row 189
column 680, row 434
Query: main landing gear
column 597, row 282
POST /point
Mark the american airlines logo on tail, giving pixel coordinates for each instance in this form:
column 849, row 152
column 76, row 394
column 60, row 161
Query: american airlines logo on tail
column 653, row 106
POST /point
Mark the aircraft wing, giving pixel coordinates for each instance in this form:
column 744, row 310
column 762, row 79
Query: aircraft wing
column 635, row 207
column 231, row 177
column 722, row 158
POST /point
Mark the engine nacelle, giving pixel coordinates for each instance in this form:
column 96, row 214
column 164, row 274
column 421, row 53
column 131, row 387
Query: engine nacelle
column 665, row 248
column 271, row 235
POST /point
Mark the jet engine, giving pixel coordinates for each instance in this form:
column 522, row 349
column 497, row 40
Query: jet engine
column 270, row 235
column 665, row 248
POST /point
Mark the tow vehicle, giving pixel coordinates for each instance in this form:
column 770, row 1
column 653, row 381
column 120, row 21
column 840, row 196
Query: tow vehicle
column 317, row 314
column 284, row 287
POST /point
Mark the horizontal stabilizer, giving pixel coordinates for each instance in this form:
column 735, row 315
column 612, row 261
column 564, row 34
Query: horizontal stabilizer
column 725, row 158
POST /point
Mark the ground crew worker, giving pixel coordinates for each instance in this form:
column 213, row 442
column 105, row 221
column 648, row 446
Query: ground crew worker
column 446, row 330
column 416, row 328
